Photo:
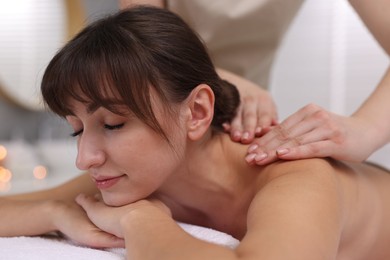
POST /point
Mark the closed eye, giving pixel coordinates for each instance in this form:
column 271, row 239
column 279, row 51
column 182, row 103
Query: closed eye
column 77, row 133
column 113, row 127
column 108, row 127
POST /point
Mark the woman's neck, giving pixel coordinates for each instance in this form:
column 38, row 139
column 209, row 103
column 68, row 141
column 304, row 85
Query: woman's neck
column 213, row 185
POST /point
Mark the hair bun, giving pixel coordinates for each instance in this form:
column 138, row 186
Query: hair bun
column 227, row 100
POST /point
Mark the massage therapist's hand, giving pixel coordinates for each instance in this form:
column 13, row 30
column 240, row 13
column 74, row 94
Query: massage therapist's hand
column 256, row 113
column 109, row 218
column 72, row 221
column 313, row 132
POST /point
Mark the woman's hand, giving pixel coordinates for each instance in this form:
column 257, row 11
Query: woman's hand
column 109, row 218
column 72, row 221
column 313, row 132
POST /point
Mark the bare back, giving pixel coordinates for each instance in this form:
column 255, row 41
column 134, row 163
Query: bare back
column 367, row 229
column 324, row 208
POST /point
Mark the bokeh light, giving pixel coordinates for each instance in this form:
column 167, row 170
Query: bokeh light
column 3, row 152
column 5, row 175
column 40, row 172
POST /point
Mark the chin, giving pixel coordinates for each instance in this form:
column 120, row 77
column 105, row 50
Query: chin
column 116, row 200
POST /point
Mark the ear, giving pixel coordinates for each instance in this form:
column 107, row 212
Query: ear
column 200, row 104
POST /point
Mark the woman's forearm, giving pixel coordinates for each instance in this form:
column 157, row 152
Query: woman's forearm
column 152, row 235
column 42, row 211
column 26, row 218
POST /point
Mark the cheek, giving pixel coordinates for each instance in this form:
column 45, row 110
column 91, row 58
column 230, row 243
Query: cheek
column 146, row 149
column 148, row 161
column 146, row 173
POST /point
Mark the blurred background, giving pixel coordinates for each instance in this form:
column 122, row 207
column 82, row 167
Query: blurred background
column 36, row 150
column 327, row 57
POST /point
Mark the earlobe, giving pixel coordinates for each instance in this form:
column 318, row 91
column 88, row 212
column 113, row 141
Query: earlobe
column 201, row 107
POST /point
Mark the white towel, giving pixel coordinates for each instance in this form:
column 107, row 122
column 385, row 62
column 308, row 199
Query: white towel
column 42, row 248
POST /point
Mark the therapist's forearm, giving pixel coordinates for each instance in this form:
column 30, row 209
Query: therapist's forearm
column 375, row 15
column 243, row 85
column 375, row 110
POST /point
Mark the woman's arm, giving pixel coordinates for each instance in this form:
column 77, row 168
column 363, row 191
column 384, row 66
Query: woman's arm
column 67, row 191
column 297, row 214
column 151, row 234
column 33, row 213
column 51, row 210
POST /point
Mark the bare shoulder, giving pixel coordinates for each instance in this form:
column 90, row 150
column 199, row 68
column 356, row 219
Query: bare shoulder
column 301, row 178
column 313, row 169
column 298, row 207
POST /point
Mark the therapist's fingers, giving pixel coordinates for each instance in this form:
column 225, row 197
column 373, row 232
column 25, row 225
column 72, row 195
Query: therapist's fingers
column 303, row 132
column 310, row 150
column 254, row 117
column 249, row 119
column 311, row 144
column 235, row 126
column 296, row 124
column 305, row 129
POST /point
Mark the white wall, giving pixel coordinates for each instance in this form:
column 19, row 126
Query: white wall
column 328, row 57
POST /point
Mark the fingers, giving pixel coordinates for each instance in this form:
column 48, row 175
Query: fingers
column 82, row 230
column 317, row 149
column 312, row 144
column 254, row 115
column 298, row 134
column 101, row 239
column 235, row 126
column 310, row 132
column 249, row 120
column 86, row 202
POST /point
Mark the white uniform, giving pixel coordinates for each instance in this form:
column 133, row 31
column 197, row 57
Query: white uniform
column 242, row 36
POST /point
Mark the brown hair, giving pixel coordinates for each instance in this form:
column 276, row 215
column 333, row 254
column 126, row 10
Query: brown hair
column 115, row 60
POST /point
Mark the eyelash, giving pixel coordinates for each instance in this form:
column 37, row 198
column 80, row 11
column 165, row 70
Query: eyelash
column 76, row 133
column 108, row 127
column 113, row 127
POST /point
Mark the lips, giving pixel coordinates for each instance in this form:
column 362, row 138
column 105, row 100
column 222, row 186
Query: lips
column 106, row 182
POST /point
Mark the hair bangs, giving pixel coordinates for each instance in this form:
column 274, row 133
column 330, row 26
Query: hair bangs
column 85, row 71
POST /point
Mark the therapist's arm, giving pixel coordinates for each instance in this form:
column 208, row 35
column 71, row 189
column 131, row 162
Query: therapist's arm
column 375, row 14
column 315, row 132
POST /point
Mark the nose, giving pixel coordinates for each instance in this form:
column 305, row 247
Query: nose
column 89, row 154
